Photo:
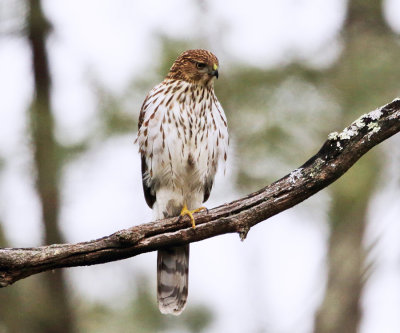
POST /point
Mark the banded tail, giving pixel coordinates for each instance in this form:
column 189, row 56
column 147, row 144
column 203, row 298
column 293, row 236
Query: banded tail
column 172, row 279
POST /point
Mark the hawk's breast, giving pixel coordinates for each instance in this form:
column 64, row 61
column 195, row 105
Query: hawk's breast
column 183, row 134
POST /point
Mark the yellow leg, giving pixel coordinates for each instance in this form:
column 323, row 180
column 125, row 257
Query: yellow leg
column 186, row 211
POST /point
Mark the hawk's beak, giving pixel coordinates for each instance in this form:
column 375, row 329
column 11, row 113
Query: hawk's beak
column 214, row 72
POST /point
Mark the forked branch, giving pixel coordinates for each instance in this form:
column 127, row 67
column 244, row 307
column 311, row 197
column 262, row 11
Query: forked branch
column 336, row 156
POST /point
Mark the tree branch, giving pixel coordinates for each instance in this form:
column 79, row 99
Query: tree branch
column 336, row 156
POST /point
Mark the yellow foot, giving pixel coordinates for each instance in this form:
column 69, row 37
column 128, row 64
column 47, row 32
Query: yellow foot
column 186, row 211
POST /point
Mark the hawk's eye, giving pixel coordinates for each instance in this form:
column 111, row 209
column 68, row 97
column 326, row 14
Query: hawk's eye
column 200, row 65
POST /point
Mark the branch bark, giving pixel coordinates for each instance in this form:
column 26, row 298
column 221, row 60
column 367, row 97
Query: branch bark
column 335, row 157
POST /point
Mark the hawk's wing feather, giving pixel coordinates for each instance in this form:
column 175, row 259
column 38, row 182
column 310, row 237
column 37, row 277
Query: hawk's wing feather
column 148, row 192
column 207, row 188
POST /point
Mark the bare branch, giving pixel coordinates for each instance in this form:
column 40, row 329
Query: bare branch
column 336, row 156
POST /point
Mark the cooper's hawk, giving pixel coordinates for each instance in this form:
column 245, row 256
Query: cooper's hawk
column 182, row 136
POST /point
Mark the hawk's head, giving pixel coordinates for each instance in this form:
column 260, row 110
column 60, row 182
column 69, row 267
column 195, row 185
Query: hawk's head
column 195, row 66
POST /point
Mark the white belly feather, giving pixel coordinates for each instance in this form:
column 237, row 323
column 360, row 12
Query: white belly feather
column 183, row 137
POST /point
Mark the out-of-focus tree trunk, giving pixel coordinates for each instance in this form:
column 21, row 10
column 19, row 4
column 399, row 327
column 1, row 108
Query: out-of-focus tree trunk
column 355, row 75
column 340, row 310
column 56, row 316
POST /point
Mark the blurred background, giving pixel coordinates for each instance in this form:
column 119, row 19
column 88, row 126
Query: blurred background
column 73, row 75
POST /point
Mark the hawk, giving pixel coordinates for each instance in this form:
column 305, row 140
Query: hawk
column 182, row 137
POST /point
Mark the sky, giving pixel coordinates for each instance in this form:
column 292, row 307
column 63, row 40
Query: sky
column 270, row 276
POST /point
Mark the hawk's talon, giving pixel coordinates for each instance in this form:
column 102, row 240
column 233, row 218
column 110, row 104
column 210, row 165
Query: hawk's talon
column 186, row 211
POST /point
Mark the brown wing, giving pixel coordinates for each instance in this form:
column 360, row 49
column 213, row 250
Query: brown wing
column 207, row 188
column 149, row 194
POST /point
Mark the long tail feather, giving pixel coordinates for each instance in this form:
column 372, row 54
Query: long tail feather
column 172, row 279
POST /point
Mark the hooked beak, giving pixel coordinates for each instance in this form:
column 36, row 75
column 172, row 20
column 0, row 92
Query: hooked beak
column 214, row 72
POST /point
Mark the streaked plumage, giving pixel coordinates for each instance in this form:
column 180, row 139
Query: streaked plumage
column 182, row 136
